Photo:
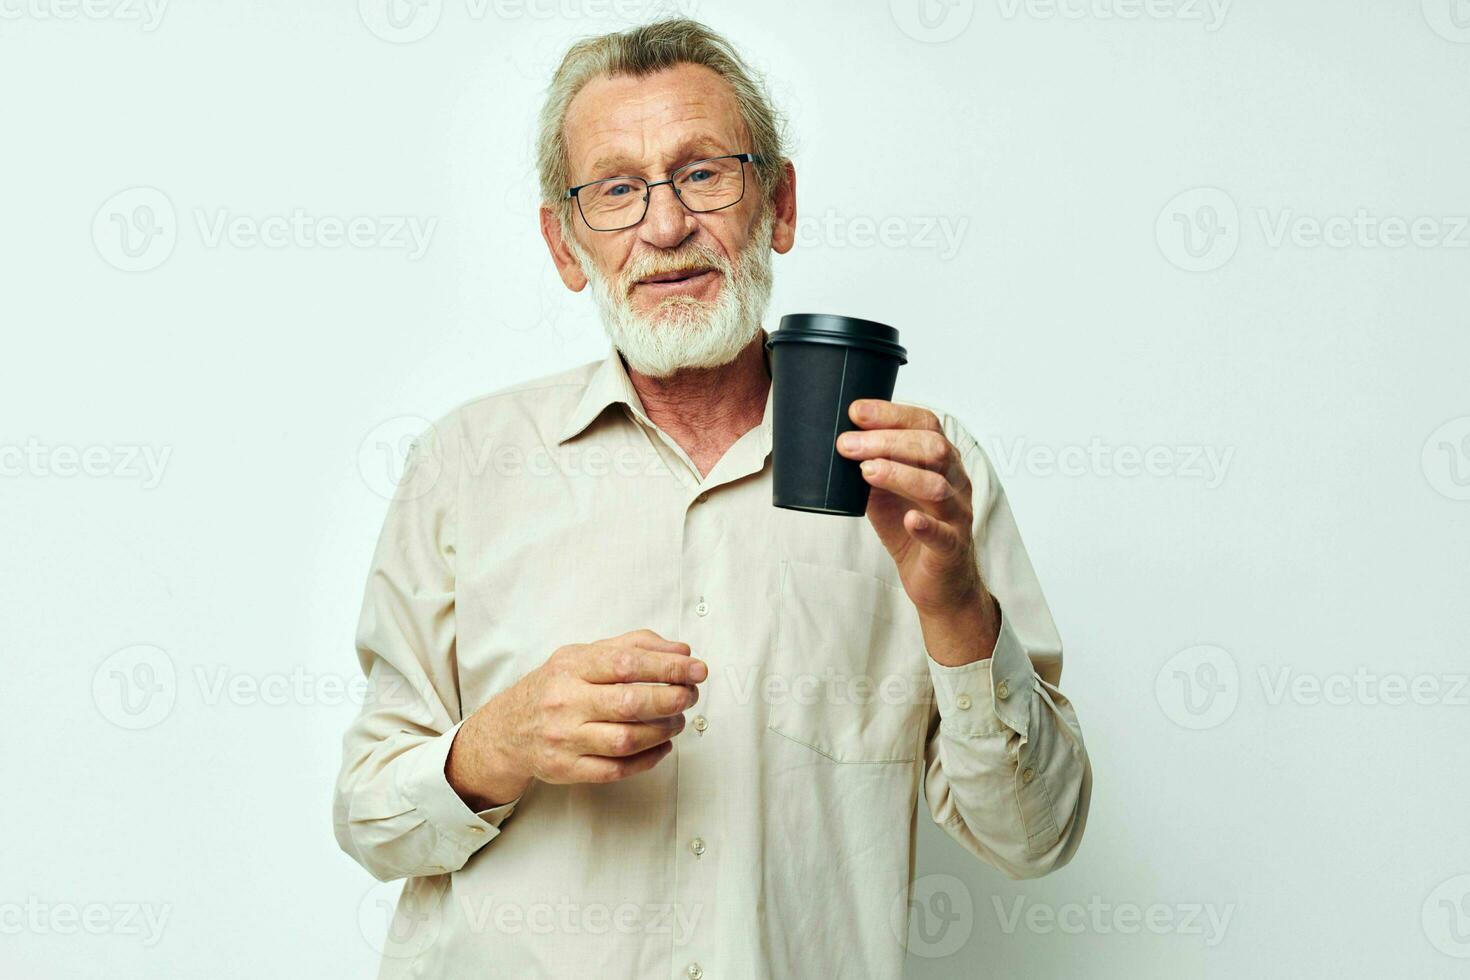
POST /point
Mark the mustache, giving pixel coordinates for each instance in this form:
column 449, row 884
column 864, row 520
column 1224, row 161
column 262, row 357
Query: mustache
column 692, row 258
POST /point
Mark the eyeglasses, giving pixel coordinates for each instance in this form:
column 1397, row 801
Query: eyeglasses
column 615, row 203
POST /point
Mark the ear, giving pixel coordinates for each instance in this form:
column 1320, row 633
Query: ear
column 566, row 263
column 783, row 232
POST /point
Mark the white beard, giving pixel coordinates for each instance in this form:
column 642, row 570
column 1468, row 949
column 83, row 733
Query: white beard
column 682, row 332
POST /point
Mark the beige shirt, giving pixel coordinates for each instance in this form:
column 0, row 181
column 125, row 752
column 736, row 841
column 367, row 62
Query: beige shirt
column 777, row 838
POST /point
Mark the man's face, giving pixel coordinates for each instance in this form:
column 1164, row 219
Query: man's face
column 680, row 289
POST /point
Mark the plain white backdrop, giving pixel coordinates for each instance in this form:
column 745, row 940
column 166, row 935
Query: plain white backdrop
column 1194, row 273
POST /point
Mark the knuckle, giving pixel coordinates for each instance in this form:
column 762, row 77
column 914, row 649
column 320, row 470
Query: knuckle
column 622, row 742
column 625, row 665
column 936, row 449
column 608, row 772
column 935, row 488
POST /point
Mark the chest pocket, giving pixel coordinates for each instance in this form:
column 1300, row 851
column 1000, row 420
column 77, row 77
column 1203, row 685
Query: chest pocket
column 852, row 678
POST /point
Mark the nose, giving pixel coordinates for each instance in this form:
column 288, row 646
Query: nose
column 668, row 222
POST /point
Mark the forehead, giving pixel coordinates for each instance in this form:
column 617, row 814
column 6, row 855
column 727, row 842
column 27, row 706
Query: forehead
column 649, row 123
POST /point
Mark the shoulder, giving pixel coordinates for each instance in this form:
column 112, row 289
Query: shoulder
column 950, row 424
column 525, row 411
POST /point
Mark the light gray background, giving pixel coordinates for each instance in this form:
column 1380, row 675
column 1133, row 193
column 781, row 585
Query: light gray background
column 1130, row 287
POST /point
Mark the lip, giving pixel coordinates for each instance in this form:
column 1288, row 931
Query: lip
column 692, row 284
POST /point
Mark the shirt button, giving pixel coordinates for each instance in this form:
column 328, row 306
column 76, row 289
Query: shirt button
column 475, row 829
column 1003, row 690
column 962, row 702
column 697, row 846
column 1028, row 775
column 702, row 608
column 695, row 971
column 701, row 498
column 700, row 723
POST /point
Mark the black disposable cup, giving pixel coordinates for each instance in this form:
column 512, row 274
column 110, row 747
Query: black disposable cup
column 820, row 364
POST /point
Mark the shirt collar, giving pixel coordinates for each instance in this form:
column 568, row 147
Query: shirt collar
column 610, row 385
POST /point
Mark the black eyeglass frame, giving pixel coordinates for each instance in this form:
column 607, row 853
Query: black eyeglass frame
column 649, row 185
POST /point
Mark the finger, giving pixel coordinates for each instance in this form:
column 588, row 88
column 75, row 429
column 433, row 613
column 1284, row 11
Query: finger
column 638, row 702
column 617, row 739
column 602, row 769
column 876, row 413
column 646, row 639
column 925, row 489
column 611, row 664
column 924, row 448
column 940, row 536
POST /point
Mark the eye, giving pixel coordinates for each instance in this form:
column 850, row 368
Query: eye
column 614, row 189
column 700, row 175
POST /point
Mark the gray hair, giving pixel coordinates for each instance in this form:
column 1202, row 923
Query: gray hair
column 639, row 52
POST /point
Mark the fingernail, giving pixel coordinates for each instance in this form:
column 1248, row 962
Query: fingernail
column 699, row 670
column 869, row 467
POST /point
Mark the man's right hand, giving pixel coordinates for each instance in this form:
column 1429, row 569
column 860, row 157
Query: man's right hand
column 593, row 713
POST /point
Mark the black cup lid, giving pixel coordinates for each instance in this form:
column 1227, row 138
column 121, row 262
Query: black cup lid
column 843, row 331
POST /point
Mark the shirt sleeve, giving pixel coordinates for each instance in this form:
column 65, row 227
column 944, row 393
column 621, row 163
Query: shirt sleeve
column 394, row 811
column 1006, row 773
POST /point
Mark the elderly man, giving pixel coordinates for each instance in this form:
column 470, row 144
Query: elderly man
column 628, row 718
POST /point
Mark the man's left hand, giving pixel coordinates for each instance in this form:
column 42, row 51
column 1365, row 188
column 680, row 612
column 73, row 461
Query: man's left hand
column 920, row 506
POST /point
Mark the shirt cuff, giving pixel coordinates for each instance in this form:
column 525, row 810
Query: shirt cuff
column 986, row 696
column 461, row 831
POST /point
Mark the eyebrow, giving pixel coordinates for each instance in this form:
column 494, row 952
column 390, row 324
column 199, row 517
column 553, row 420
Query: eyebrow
column 620, row 165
